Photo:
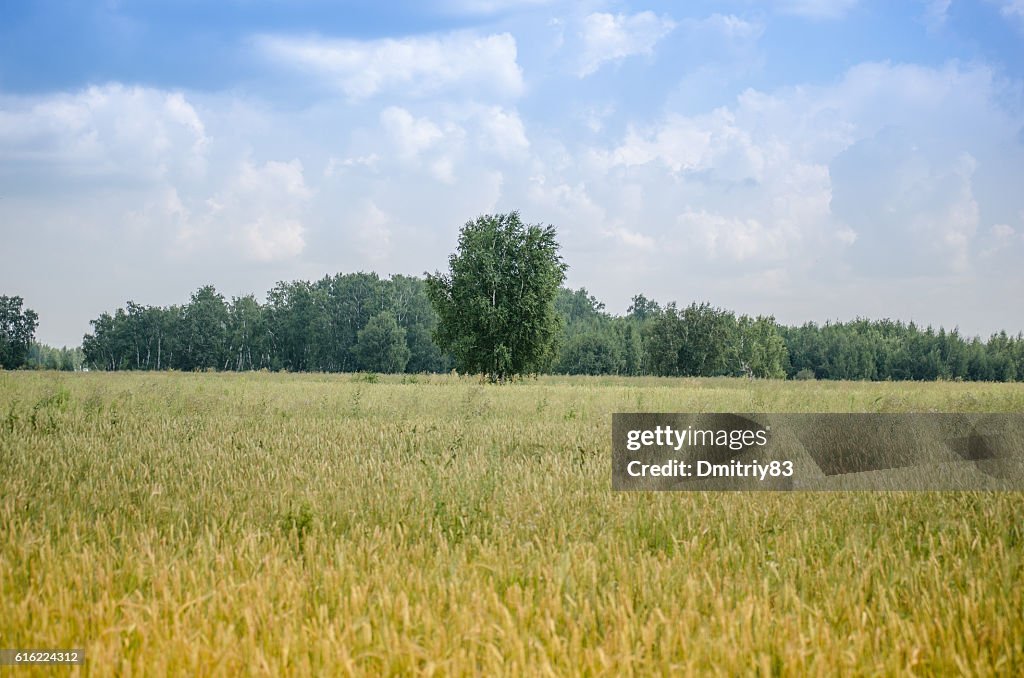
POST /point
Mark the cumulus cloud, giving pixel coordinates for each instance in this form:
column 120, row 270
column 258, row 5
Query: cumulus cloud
column 633, row 239
column 913, row 212
column 110, row 132
column 418, row 142
column 255, row 216
column 414, row 66
column 373, row 232
column 878, row 170
column 442, row 139
column 148, row 153
column 731, row 237
column 613, row 37
column 730, row 26
column 715, row 144
column 411, row 135
column 260, row 210
column 891, row 171
column 502, row 132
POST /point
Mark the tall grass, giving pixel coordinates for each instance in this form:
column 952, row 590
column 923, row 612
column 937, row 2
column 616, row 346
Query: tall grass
column 301, row 524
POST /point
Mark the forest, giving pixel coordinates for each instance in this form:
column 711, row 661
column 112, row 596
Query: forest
column 362, row 322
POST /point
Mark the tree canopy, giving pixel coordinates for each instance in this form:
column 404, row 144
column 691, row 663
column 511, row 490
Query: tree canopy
column 496, row 305
column 17, row 328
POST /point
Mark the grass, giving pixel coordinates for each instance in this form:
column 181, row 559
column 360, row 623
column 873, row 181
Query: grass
column 219, row 524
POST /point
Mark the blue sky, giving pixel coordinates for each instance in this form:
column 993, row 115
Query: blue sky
column 811, row 159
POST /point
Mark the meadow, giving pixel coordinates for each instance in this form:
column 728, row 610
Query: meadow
column 225, row 524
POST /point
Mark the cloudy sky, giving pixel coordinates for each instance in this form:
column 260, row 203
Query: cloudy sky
column 811, row 159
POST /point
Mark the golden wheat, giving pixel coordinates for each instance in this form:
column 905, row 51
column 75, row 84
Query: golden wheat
column 267, row 524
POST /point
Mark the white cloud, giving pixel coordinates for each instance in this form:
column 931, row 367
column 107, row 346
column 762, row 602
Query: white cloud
column 731, row 27
column 408, row 66
column 680, row 143
column 569, row 205
column 890, row 171
column 113, row 132
column 258, row 213
column 1013, row 12
column 266, row 240
column 1003, row 232
column 633, row 239
column 419, row 142
column 412, row 135
column 731, row 237
column 278, row 177
column 334, row 165
column 875, row 169
column 1002, row 242
column 1012, row 8
column 444, row 140
column 503, row 132
column 816, row 9
column 373, row 232
column 936, row 12
column 613, row 37
column 712, row 143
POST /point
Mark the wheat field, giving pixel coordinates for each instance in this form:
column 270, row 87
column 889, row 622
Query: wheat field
column 265, row 524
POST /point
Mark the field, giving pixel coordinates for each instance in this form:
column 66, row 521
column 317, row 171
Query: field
column 220, row 524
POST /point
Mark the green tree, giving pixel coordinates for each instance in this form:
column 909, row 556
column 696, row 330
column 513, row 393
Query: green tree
column 248, row 341
column 578, row 308
column 632, row 347
column 762, row 351
column 663, row 337
column 380, row 346
column 593, row 352
column 17, row 328
column 643, row 308
column 296, row 321
column 205, row 327
column 495, row 306
column 407, row 298
column 43, row 357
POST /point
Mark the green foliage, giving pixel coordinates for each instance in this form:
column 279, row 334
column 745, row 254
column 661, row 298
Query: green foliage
column 579, row 307
column 205, row 325
column 303, row 326
column 762, row 351
column 503, row 313
column 43, row 357
column 495, row 306
column 136, row 337
column 248, row 345
column 703, row 341
column 887, row 349
column 17, row 328
column 593, row 352
column 643, row 308
column 380, row 346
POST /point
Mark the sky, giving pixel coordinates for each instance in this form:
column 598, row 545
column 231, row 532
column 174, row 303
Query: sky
column 808, row 159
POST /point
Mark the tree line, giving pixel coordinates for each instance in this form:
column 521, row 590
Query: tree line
column 341, row 323
column 702, row 340
column 360, row 322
